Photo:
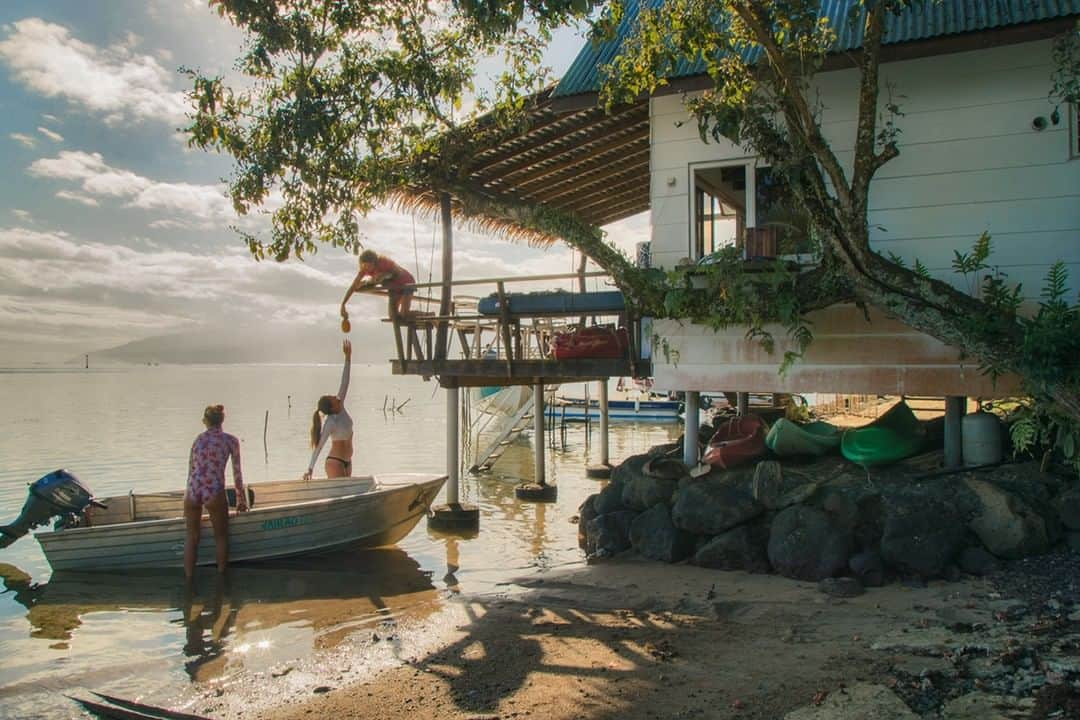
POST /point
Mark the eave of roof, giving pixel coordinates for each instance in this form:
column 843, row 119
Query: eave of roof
column 923, row 20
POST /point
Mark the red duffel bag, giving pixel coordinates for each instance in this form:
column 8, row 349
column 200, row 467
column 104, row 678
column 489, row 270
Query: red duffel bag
column 593, row 342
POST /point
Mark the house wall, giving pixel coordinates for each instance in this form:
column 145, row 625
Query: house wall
column 970, row 162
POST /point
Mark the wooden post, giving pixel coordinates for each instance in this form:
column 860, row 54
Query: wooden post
column 954, row 412
column 445, row 302
column 690, row 430
column 742, row 402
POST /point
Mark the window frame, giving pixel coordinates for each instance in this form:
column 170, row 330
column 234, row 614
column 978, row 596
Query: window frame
column 749, row 162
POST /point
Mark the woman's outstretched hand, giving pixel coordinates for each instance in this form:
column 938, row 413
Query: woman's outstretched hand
column 346, row 347
column 307, row 476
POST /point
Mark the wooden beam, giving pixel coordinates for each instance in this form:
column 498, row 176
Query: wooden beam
column 638, row 160
column 608, row 195
column 441, row 340
column 597, row 129
column 578, row 156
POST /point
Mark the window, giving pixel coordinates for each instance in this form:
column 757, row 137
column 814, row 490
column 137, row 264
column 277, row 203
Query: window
column 766, row 222
column 719, row 208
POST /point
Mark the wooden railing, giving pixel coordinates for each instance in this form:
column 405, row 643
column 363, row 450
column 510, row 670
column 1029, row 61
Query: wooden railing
column 507, row 337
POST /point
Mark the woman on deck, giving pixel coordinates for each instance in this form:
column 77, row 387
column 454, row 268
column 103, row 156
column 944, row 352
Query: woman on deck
column 379, row 271
column 338, row 426
column 206, row 488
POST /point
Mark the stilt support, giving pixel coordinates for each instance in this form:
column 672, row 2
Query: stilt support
column 690, row 430
column 742, row 402
column 603, row 470
column 538, row 490
column 954, row 412
column 453, row 516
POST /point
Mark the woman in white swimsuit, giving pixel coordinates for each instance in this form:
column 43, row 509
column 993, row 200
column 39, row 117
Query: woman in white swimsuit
column 337, row 426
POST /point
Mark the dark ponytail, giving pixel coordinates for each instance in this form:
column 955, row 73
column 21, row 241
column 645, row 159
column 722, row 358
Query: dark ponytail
column 316, row 428
column 326, row 407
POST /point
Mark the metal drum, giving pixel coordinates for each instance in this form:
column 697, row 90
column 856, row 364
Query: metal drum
column 981, row 438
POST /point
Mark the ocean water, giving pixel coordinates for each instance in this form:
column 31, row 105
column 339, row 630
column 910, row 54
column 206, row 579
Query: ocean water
column 145, row 636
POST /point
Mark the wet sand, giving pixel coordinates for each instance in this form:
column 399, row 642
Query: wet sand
column 631, row 638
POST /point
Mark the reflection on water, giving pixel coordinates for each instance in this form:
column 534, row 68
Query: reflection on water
column 225, row 617
column 281, row 627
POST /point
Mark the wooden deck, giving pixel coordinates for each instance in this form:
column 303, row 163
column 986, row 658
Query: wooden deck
column 465, row 348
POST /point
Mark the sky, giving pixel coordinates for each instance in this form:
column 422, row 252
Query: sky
column 112, row 230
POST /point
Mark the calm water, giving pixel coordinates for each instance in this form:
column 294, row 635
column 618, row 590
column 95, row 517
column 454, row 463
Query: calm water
column 284, row 627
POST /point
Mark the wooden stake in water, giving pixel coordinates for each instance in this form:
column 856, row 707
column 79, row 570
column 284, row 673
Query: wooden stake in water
column 266, row 423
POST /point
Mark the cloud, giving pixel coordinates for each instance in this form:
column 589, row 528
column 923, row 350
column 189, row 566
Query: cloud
column 23, row 139
column 115, row 83
column 51, row 118
column 97, row 180
column 77, row 197
column 23, row 215
column 54, row 136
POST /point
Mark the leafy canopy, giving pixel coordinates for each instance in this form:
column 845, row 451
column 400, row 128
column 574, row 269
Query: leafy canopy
column 345, row 101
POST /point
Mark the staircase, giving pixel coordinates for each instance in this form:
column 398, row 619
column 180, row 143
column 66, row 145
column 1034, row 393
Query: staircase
column 508, row 432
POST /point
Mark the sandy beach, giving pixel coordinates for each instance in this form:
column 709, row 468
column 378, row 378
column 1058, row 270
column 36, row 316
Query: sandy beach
column 630, row 638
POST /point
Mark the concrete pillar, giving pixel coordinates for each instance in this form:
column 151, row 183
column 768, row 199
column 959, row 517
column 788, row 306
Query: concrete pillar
column 955, row 407
column 690, row 431
column 539, row 471
column 454, row 517
column 603, row 403
column 742, row 402
column 453, row 445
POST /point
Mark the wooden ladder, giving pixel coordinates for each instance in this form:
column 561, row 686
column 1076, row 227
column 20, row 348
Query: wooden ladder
column 514, row 426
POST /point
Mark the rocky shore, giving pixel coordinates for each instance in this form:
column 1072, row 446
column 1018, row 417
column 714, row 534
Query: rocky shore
column 830, row 520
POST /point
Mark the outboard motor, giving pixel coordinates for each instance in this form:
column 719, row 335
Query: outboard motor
column 58, row 494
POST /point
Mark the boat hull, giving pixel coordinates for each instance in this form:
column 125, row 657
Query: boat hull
column 652, row 410
column 381, row 512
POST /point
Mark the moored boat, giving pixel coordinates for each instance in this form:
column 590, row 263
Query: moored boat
column 896, row 435
column 293, row 517
column 736, row 442
column 791, row 439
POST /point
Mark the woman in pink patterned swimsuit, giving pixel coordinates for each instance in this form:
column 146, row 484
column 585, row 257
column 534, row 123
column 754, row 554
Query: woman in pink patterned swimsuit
column 206, row 487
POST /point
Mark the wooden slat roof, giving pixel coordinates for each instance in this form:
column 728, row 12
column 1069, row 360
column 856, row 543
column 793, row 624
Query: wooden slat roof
column 587, row 161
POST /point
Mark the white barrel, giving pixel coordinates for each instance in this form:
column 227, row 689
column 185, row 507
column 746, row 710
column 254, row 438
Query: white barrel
column 981, row 438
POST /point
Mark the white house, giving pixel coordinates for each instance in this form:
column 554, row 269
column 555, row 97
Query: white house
column 981, row 149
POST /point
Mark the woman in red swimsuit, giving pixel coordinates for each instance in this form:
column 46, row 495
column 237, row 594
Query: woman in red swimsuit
column 206, row 488
column 380, row 271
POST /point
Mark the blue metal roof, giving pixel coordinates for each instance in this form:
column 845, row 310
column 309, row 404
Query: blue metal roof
column 924, row 19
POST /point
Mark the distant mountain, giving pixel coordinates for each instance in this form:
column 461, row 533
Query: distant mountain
column 271, row 343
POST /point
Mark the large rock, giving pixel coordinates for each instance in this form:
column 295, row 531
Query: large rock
column 1069, row 508
column 976, row 561
column 654, row 536
column 653, row 484
column 868, row 568
column 586, row 513
column 768, row 484
column 775, row 490
column 741, row 548
column 858, row 702
column 712, row 505
column 1007, row 525
column 921, row 537
column 609, row 499
column 609, row 534
column 805, row 545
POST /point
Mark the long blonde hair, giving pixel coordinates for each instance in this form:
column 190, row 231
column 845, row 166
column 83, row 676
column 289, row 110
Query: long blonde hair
column 325, row 406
